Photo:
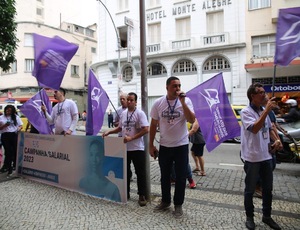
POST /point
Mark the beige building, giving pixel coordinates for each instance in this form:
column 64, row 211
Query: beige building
column 18, row 83
column 261, row 25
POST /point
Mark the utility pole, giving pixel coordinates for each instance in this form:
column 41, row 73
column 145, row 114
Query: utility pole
column 119, row 75
column 144, row 90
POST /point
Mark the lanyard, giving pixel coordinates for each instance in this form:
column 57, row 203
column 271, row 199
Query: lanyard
column 172, row 108
column 128, row 120
column 59, row 109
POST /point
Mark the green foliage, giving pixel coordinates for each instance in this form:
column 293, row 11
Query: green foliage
column 8, row 29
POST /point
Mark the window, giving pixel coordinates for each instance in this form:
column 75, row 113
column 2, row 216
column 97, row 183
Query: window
column 153, row 3
column 258, row 4
column 13, row 68
column 263, row 46
column 184, row 66
column 28, row 40
column 29, row 65
column 39, row 11
column 127, row 74
column 123, row 36
column 122, row 5
column 183, row 28
column 215, row 22
column 93, row 50
column 154, row 33
column 89, row 33
column 74, row 70
column 156, row 69
column 216, row 63
column 79, row 29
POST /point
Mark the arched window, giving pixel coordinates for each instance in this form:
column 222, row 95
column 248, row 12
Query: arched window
column 156, row 69
column 216, row 63
column 184, row 66
column 127, row 74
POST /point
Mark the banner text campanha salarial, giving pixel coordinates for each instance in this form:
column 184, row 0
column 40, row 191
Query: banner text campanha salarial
column 51, row 154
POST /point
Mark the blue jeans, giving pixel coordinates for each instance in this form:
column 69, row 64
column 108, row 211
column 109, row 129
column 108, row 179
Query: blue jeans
column 264, row 171
column 180, row 156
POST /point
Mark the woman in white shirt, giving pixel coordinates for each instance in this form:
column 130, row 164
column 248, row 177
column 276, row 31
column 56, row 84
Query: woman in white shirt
column 10, row 125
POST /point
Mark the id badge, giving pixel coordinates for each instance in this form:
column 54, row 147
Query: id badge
column 265, row 135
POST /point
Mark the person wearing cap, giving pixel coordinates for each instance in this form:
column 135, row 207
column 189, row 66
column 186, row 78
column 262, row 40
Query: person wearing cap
column 64, row 114
column 293, row 115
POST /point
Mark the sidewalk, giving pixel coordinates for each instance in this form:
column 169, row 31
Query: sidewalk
column 216, row 203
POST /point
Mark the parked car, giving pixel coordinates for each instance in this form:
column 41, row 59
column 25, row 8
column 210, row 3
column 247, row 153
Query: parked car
column 237, row 112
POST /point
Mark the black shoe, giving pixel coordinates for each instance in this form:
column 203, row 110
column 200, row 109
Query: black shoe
column 162, row 206
column 142, row 201
column 250, row 223
column 3, row 170
column 271, row 223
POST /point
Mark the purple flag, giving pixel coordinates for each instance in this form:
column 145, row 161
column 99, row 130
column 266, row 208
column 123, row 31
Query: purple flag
column 287, row 36
column 32, row 110
column 213, row 112
column 96, row 105
column 51, row 58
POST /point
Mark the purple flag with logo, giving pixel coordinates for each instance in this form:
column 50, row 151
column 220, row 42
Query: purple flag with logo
column 96, row 105
column 213, row 112
column 32, row 110
column 51, row 58
column 287, row 36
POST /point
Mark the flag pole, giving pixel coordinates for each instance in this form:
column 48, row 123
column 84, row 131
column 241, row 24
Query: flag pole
column 273, row 83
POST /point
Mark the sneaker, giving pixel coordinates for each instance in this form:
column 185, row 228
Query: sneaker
column 250, row 223
column 162, row 206
column 271, row 223
column 3, row 170
column 10, row 173
column 178, row 213
column 192, row 184
column 142, row 201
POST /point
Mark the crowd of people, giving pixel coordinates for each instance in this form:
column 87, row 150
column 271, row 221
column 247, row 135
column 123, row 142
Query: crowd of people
column 171, row 112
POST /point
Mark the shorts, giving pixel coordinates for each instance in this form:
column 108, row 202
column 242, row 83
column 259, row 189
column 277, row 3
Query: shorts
column 197, row 149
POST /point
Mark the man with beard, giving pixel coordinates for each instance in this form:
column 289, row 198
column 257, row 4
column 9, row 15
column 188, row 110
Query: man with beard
column 64, row 115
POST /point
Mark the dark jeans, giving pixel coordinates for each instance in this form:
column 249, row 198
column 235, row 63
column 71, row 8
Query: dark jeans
column 189, row 174
column 9, row 142
column 254, row 170
column 138, row 158
column 180, row 156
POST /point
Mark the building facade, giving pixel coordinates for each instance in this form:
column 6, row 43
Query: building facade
column 18, row 83
column 193, row 40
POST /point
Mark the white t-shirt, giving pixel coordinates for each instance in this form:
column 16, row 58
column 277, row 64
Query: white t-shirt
column 254, row 147
column 172, row 122
column 64, row 116
column 12, row 127
column 131, row 123
column 117, row 118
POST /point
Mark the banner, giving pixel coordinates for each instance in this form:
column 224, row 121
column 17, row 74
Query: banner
column 51, row 58
column 96, row 105
column 32, row 110
column 287, row 36
column 213, row 112
column 86, row 164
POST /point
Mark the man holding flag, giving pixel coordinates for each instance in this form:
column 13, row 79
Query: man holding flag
column 256, row 131
column 64, row 115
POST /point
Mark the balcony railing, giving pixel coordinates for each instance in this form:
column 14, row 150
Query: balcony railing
column 180, row 44
column 153, row 48
column 214, row 39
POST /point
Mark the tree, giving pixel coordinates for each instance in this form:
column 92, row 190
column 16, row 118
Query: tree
column 8, row 29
